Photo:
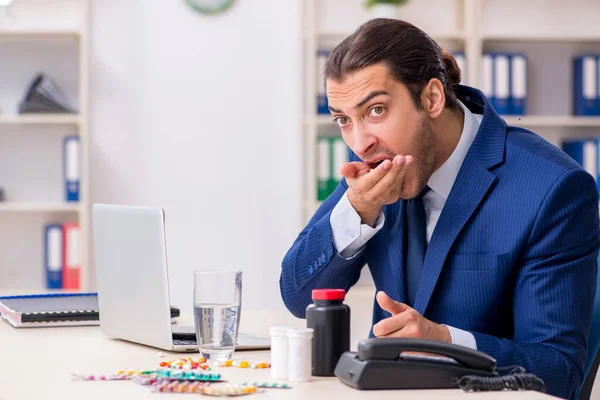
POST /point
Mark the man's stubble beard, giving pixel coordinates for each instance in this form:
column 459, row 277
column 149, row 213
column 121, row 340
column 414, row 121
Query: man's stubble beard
column 426, row 155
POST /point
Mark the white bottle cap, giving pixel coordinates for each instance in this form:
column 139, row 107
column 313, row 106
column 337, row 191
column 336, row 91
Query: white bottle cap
column 279, row 330
column 303, row 333
column 279, row 352
column 300, row 354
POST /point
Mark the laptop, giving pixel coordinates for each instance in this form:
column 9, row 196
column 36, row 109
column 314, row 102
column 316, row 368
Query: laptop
column 133, row 281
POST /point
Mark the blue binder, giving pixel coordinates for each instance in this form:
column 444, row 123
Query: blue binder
column 585, row 85
column 53, row 255
column 71, row 168
column 501, row 73
column 322, row 104
column 488, row 78
column 461, row 61
column 518, row 84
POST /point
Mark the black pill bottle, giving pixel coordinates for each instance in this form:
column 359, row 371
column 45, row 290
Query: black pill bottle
column 329, row 318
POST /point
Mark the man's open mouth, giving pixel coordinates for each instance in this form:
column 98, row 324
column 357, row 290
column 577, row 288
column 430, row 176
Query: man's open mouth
column 375, row 164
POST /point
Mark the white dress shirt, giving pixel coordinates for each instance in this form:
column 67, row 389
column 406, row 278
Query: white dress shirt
column 350, row 236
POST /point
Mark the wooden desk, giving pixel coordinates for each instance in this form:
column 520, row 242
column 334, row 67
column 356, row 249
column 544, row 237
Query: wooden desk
column 55, row 353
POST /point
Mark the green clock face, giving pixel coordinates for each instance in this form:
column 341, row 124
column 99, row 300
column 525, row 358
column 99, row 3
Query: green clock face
column 210, row 7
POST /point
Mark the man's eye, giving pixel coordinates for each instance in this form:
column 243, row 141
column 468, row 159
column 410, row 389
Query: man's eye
column 341, row 121
column 376, row 111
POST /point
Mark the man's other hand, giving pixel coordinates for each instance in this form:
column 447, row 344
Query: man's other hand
column 406, row 322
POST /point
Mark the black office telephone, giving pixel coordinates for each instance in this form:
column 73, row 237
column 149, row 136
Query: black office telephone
column 383, row 364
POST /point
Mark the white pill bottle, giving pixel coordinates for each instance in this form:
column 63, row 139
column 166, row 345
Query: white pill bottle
column 299, row 354
column 279, row 352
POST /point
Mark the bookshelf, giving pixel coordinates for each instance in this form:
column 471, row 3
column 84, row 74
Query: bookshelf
column 49, row 37
column 549, row 32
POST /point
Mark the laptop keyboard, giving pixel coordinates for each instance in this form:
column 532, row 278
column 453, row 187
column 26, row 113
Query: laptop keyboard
column 185, row 342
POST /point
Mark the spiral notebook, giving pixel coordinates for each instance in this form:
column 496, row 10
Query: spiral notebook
column 63, row 309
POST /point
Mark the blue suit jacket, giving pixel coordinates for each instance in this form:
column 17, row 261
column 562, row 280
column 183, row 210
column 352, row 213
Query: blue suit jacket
column 512, row 259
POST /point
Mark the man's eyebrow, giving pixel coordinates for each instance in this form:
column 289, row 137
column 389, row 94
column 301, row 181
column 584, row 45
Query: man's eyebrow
column 369, row 97
column 363, row 101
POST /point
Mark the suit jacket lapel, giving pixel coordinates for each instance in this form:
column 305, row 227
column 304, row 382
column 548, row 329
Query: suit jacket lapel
column 470, row 187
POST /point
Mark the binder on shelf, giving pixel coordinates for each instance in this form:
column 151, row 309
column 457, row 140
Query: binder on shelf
column 488, row 77
column 53, row 255
column 461, row 61
column 586, row 153
column 501, row 73
column 323, row 167
column 339, row 157
column 518, row 84
column 71, row 252
column 71, row 155
column 585, row 85
column 322, row 104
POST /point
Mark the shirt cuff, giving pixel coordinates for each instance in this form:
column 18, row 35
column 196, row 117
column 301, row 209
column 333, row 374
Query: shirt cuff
column 462, row 338
column 349, row 235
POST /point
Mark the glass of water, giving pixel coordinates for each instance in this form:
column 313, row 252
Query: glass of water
column 217, row 308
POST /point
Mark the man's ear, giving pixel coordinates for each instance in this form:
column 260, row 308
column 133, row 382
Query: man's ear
column 433, row 98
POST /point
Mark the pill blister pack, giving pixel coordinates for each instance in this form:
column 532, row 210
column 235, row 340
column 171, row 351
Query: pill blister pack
column 187, row 375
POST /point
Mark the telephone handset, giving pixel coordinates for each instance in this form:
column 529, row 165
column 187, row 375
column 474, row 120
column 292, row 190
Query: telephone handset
column 380, row 364
column 391, row 349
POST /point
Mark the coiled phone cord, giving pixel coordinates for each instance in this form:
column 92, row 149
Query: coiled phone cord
column 517, row 379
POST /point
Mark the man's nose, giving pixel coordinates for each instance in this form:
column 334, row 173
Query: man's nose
column 363, row 141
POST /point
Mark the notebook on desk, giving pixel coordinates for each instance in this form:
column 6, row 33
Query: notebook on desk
column 61, row 309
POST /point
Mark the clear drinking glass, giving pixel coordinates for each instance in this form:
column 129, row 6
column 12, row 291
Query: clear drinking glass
column 217, row 309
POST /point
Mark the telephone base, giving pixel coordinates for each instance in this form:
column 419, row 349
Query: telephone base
column 407, row 372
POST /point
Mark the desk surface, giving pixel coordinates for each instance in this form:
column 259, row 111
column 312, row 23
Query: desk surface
column 56, row 353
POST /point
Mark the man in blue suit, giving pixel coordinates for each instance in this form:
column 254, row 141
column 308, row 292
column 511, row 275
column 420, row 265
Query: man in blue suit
column 475, row 232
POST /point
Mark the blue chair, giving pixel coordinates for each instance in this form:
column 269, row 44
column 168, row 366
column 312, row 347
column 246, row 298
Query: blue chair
column 593, row 359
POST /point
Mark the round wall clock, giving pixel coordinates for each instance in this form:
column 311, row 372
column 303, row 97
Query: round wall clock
column 210, row 7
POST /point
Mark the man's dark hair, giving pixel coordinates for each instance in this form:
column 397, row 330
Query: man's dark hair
column 411, row 55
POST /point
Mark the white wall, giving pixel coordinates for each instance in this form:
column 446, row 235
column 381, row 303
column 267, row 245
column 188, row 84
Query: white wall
column 201, row 116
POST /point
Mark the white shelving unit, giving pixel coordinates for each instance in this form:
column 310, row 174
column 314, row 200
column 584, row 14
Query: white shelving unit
column 39, row 119
column 38, row 33
column 21, row 206
column 550, row 32
column 49, row 36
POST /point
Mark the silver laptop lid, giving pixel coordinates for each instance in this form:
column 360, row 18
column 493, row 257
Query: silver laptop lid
column 131, row 273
